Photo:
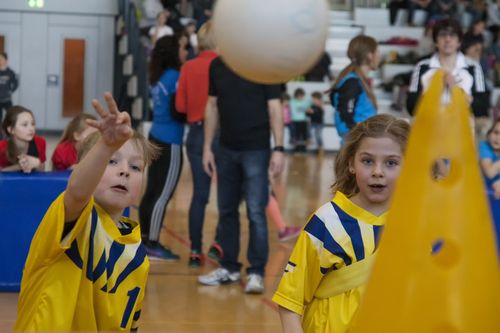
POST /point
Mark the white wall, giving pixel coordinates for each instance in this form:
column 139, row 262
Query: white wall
column 27, row 43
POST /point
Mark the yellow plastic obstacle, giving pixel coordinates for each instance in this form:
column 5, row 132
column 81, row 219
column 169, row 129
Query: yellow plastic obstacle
column 456, row 289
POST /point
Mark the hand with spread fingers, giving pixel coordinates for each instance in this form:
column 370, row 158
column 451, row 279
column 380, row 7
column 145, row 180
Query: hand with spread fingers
column 115, row 126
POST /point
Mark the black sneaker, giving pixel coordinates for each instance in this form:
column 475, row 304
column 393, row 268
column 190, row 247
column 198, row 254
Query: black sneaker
column 196, row 259
column 215, row 252
column 159, row 252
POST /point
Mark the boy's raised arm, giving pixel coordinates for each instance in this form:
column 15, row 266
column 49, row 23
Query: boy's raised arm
column 115, row 129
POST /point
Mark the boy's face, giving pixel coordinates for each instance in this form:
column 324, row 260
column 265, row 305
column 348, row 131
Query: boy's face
column 121, row 184
column 447, row 42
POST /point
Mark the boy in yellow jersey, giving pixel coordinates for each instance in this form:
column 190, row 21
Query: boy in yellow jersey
column 87, row 269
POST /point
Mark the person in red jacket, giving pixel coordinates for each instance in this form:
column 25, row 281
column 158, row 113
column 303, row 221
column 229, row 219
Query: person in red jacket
column 191, row 99
column 65, row 155
column 22, row 150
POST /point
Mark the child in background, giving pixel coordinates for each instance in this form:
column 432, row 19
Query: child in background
column 65, row 155
column 87, row 269
column 489, row 158
column 351, row 95
column 298, row 108
column 22, row 150
column 312, row 296
column 287, row 117
column 316, row 113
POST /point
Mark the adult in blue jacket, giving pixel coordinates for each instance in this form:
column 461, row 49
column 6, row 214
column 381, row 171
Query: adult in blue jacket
column 166, row 133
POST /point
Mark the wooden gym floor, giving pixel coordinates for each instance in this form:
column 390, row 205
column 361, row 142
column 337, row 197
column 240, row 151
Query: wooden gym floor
column 175, row 302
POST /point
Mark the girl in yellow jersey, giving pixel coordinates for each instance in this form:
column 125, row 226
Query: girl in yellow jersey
column 87, row 269
column 324, row 279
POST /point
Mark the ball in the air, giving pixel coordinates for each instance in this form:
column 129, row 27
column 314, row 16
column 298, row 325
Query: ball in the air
column 270, row 41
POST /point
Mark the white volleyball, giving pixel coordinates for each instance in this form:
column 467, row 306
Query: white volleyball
column 270, row 41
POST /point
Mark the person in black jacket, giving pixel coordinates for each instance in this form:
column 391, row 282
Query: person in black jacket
column 8, row 84
column 460, row 71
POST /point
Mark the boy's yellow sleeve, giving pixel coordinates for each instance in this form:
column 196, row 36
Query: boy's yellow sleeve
column 47, row 243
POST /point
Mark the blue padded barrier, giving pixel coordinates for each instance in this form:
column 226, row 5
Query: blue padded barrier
column 24, row 199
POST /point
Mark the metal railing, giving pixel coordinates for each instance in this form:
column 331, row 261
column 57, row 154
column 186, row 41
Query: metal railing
column 131, row 88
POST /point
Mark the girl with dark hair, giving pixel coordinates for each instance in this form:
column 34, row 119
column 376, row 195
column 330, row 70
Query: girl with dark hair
column 351, row 94
column 22, row 150
column 167, row 133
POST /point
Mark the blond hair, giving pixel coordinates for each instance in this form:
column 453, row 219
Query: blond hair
column 76, row 125
column 149, row 150
column 378, row 126
column 206, row 38
column 358, row 51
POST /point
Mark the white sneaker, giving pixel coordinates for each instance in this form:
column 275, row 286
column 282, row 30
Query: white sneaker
column 255, row 284
column 218, row 277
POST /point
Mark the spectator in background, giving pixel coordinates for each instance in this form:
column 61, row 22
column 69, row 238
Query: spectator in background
column 23, row 150
column 166, row 133
column 316, row 113
column 65, row 154
column 489, row 158
column 246, row 113
column 493, row 19
column 192, row 96
column 460, row 71
column 394, row 7
column 8, row 84
column 429, row 6
column 287, row 116
column 446, row 9
column 320, row 70
column 299, row 106
column 202, row 11
column 472, row 47
column 477, row 9
column 352, row 95
column 160, row 29
column 190, row 33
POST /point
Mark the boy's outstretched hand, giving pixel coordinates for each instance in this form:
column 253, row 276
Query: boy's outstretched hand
column 115, row 126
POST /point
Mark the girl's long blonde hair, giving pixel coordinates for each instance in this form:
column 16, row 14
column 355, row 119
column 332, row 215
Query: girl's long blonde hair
column 378, row 126
column 358, row 50
column 76, row 125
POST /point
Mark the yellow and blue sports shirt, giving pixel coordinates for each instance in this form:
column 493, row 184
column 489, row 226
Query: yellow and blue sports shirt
column 92, row 279
column 338, row 234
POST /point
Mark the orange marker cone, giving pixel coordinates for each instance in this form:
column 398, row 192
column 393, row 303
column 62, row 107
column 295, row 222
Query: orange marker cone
column 456, row 289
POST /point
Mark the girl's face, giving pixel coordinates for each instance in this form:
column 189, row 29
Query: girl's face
column 494, row 137
column 24, row 128
column 376, row 166
column 121, row 183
